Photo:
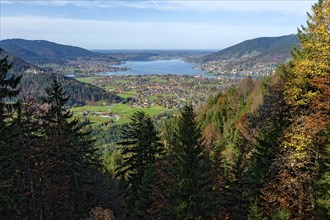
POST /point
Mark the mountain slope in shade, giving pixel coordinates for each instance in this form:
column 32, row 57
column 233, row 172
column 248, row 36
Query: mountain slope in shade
column 280, row 46
column 18, row 65
column 42, row 51
column 35, row 80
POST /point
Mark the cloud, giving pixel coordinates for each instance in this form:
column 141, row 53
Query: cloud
column 294, row 7
column 287, row 7
column 95, row 34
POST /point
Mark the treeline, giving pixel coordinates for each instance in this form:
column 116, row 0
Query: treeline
column 80, row 93
column 50, row 167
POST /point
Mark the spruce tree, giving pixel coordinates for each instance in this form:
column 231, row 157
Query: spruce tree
column 269, row 126
column 69, row 159
column 144, row 202
column 191, row 196
column 255, row 212
column 10, row 149
column 32, row 138
column 140, row 146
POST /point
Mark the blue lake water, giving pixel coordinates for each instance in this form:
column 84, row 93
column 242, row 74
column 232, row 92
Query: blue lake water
column 160, row 67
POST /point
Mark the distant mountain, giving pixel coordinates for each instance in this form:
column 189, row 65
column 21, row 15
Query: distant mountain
column 42, row 51
column 36, row 79
column 278, row 46
column 257, row 57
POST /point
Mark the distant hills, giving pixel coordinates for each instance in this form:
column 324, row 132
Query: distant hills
column 252, row 57
column 43, row 52
column 36, row 79
column 278, row 46
column 256, row 57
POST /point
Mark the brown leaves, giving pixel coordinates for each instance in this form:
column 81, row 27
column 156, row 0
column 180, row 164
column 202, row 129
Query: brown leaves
column 98, row 213
column 289, row 191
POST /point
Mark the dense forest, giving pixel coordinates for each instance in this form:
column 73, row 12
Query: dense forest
column 259, row 150
column 35, row 80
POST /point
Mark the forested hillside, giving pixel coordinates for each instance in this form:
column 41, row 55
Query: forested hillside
column 41, row 51
column 259, row 150
column 33, row 85
column 35, row 80
column 19, row 65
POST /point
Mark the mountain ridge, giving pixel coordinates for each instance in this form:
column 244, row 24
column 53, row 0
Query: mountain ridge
column 255, row 57
column 43, row 51
column 258, row 45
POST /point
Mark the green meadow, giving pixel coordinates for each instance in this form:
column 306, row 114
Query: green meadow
column 121, row 113
column 129, row 94
column 87, row 79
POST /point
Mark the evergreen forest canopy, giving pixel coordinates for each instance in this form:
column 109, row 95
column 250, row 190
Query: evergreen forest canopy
column 260, row 150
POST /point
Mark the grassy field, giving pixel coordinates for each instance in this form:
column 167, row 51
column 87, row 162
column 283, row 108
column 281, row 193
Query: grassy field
column 86, row 79
column 127, row 94
column 127, row 110
column 91, row 108
column 92, row 114
column 121, row 112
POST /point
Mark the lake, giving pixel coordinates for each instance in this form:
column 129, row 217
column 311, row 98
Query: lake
column 160, row 67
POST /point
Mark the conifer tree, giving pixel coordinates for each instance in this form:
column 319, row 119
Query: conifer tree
column 32, row 140
column 144, row 202
column 69, row 159
column 140, row 147
column 234, row 188
column 10, row 148
column 192, row 196
column 323, row 182
column 255, row 212
column 268, row 124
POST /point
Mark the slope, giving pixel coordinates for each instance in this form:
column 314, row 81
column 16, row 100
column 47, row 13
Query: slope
column 257, row 57
column 42, row 51
column 36, row 79
column 265, row 45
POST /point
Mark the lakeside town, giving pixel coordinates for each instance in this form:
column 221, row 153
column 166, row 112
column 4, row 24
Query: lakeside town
column 84, row 66
column 221, row 68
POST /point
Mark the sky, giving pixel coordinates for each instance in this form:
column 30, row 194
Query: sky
column 150, row 24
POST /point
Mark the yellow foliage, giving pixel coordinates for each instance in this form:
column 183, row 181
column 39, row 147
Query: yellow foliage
column 298, row 140
column 313, row 59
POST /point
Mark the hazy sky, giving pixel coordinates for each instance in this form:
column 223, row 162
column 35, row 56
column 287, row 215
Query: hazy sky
column 153, row 24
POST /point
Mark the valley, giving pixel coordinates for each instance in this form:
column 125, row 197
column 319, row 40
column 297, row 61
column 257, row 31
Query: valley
column 107, row 86
column 154, row 94
column 179, row 110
